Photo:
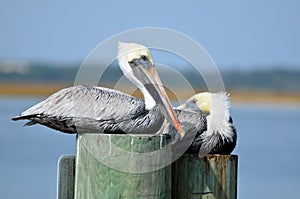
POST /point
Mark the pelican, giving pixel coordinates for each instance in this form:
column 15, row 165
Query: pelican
column 80, row 109
column 220, row 135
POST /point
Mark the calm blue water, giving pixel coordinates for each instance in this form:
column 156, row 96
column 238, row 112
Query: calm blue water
column 28, row 156
column 268, row 149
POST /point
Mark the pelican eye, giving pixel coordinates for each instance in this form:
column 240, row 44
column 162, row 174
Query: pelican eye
column 134, row 63
column 144, row 57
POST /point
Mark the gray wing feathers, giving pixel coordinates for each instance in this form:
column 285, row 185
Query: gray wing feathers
column 208, row 143
column 90, row 102
column 82, row 109
column 194, row 124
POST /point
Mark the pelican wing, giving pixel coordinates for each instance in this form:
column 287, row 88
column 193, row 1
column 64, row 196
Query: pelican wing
column 92, row 103
column 194, row 124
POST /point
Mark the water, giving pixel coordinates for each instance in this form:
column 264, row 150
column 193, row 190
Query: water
column 28, row 156
column 268, row 148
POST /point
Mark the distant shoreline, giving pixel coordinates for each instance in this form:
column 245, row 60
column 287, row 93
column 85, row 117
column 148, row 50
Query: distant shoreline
column 237, row 96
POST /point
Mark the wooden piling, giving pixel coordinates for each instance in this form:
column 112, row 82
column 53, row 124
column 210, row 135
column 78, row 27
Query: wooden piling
column 66, row 177
column 115, row 166
column 122, row 166
column 212, row 177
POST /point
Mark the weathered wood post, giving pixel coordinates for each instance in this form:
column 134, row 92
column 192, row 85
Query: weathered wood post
column 123, row 166
column 66, row 177
column 114, row 166
column 212, row 177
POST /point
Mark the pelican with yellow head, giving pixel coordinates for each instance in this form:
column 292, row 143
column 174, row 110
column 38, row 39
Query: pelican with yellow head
column 220, row 135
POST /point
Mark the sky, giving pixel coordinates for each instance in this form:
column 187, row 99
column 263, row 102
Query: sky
column 236, row 34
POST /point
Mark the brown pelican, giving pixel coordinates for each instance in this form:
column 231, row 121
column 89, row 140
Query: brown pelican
column 102, row 110
column 220, row 136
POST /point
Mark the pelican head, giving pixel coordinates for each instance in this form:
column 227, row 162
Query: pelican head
column 137, row 65
column 216, row 108
column 210, row 103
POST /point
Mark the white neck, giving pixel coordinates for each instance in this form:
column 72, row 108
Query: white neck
column 149, row 101
column 126, row 69
column 220, row 105
column 218, row 119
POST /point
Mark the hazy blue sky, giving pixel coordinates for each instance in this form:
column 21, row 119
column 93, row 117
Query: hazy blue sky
column 235, row 33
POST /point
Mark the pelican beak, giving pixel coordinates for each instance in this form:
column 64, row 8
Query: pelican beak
column 145, row 71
